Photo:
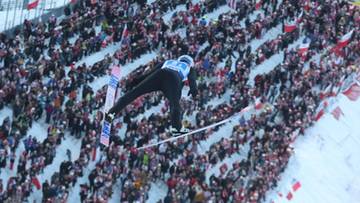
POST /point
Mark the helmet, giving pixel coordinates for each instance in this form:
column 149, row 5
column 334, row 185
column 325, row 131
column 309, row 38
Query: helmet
column 187, row 59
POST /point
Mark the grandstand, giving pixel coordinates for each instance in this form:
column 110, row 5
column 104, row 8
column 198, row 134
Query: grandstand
column 285, row 71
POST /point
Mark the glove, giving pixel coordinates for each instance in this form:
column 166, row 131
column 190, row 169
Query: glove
column 193, row 92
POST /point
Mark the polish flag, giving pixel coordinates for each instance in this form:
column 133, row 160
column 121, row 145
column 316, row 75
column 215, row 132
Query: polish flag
column 290, row 26
column 258, row 4
column 344, row 40
column 304, row 47
column 94, row 153
column 36, row 182
column 353, row 93
column 296, row 186
column 258, row 104
column 307, row 5
column 337, row 112
column 125, row 32
column 299, row 18
column 289, row 196
column 33, row 4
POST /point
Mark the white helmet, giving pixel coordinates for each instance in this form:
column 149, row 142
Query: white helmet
column 187, row 59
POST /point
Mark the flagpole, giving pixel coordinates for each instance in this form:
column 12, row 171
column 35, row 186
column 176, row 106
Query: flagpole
column 22, row 12
column 51, row 4
column 15, row 11
column 7, row 14
column 37, row 10
column 43, row 7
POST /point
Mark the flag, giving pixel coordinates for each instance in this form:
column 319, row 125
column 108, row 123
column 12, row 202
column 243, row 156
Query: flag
column 319, row 114
column 232, row 4
column 94, row 153
column 353, row 93
column 344, row 40
column 258, row 4
column 290, row 26
column 307, row 5
column 296, row 186
column 337, row 112
column 289, row 196
column 321, row 110
column 304, row 47
column 33, row 4
column 299, row 18
column 36, row 182
column 125, row 32
column 258, row 104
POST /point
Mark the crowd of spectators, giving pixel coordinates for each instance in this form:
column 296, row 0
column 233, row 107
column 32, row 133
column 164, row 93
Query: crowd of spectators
column 40, row 79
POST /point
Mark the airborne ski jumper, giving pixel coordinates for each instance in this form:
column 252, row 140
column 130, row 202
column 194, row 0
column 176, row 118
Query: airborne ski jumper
column 168, row 78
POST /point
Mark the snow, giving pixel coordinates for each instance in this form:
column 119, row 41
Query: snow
column 5, row 112
column 326, row 160
column 271, row 63
column 157, row 191
column 70, row 143
column 14, row 14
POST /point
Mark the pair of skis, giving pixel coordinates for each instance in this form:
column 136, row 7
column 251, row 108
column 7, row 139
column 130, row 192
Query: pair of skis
column 109, row 102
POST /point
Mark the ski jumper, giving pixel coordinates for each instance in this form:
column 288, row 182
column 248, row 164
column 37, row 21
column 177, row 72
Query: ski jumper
column 168, row 78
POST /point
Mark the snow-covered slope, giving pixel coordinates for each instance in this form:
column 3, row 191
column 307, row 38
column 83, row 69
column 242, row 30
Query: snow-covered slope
column 326, row 160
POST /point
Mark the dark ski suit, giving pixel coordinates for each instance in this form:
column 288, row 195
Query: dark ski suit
column 166, row 80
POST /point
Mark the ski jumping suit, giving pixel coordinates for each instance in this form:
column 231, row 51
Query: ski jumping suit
column 169, row 78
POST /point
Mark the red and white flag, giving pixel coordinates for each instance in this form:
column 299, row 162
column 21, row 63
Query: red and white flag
column 296, row 185
column 258, row 104
column 353, row 92
column 299, row 18
column 337, row 112
column 125, row 32
column 258, row 4
column 232, row 4
column 307, row 5
column 290, row 26
column 36, row 182
column 304, row 47
column 345, row 40
column 289, row 196
column 33, row 4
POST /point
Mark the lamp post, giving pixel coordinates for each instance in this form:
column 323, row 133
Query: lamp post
column 15, row 11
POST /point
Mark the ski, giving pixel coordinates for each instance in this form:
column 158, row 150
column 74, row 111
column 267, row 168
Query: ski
column 109, row 102
column 187, row 134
